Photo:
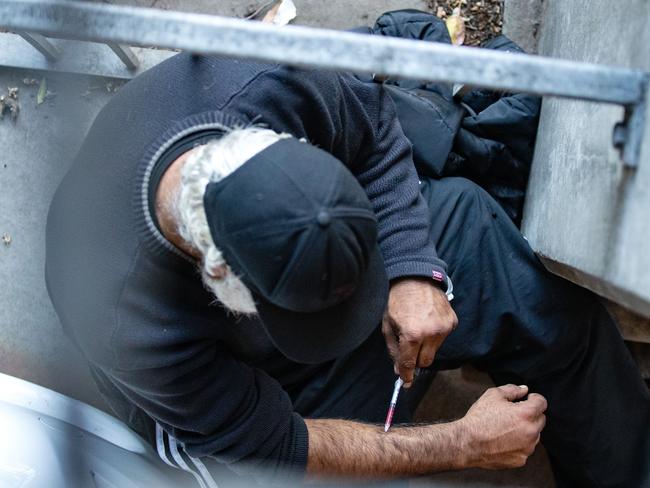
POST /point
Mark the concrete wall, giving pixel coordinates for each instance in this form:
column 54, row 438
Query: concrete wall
column 585, row 215
column 522, row 22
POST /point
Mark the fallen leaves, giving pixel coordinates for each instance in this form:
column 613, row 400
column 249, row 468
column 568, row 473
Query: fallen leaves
column 483, row 19
column 42, row 92
column 456, row 27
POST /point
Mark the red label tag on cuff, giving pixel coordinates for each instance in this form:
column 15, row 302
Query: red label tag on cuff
column 437, row 275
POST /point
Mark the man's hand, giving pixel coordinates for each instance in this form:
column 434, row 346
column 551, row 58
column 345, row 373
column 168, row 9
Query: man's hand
column 501, row 434
column 417, row 320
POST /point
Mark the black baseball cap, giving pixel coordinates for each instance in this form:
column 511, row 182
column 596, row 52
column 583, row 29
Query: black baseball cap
column 295, row 225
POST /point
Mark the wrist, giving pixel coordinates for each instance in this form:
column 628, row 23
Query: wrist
column 468, row 456
column 444, row 284
column 456, row 439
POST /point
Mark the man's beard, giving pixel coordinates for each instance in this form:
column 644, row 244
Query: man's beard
column 232, row 293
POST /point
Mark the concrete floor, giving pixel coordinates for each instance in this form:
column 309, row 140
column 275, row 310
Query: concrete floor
column 36, row 151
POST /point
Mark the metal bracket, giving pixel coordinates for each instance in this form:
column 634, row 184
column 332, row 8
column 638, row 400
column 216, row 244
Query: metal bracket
column 42, row 44
column 126, row 55
column 628, row 134
column 79, row 58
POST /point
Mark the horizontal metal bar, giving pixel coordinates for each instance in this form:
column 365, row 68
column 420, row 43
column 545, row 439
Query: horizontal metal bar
column 42, row 44
column 126, row 55
column 322, row 48
column 87, row 58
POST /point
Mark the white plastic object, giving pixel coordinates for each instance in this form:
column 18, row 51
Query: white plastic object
column 52, row 441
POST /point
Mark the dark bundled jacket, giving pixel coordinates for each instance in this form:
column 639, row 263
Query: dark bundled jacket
column 484, row 135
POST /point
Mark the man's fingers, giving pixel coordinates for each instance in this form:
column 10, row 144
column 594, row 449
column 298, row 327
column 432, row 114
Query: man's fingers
column 513, row 392
column 404, row 355
column 427, row 353
column 407, row 359
column 391, row 341
column 538, row 402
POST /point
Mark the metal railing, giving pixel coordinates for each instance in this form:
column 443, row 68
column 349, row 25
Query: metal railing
column 121, row 26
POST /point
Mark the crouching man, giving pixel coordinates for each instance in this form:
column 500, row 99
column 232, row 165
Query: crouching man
column 239, row 291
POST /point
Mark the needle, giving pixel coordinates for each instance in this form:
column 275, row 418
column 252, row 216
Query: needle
column 393, row 402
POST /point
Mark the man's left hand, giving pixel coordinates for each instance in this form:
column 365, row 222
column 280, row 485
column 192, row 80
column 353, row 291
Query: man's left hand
column 417, row 320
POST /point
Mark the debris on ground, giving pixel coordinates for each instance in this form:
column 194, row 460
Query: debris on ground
column 110, row 87
column 483, row 19
column 42, row 92
column 456, row 27
column 258, row 13
column 113, row 86
column 9, row 103
column 278, row 12
column 282, row 14
column 30, row 82
column 6, row 239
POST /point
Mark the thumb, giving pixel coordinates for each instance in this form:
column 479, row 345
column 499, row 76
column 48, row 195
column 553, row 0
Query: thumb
column 513, row 392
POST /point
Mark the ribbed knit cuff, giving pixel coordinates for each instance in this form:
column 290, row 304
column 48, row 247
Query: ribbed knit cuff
column 301, row 444
column 435, row 270
column 293, row 471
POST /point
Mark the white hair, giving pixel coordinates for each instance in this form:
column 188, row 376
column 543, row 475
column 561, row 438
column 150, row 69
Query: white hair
column 213, row 162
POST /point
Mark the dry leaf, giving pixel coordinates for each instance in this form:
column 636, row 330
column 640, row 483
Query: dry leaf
column 42, row 92
column 441, row 14
column 10, row 103
column 456, row 27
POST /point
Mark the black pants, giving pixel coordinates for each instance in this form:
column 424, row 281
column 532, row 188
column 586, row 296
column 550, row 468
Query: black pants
column 520, row 324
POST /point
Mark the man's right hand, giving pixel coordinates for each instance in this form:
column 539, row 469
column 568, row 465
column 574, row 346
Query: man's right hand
column 502, row 432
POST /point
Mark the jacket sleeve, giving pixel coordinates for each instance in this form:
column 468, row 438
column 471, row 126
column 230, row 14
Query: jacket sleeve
column 357, row 123
column 214, row 405
column 385, row 169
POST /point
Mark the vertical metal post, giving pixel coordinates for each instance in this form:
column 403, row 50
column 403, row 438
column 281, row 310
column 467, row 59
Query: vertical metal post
column 126, row 54
column 44, row 46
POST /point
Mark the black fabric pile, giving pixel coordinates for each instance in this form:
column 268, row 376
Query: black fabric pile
column 483, row 135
